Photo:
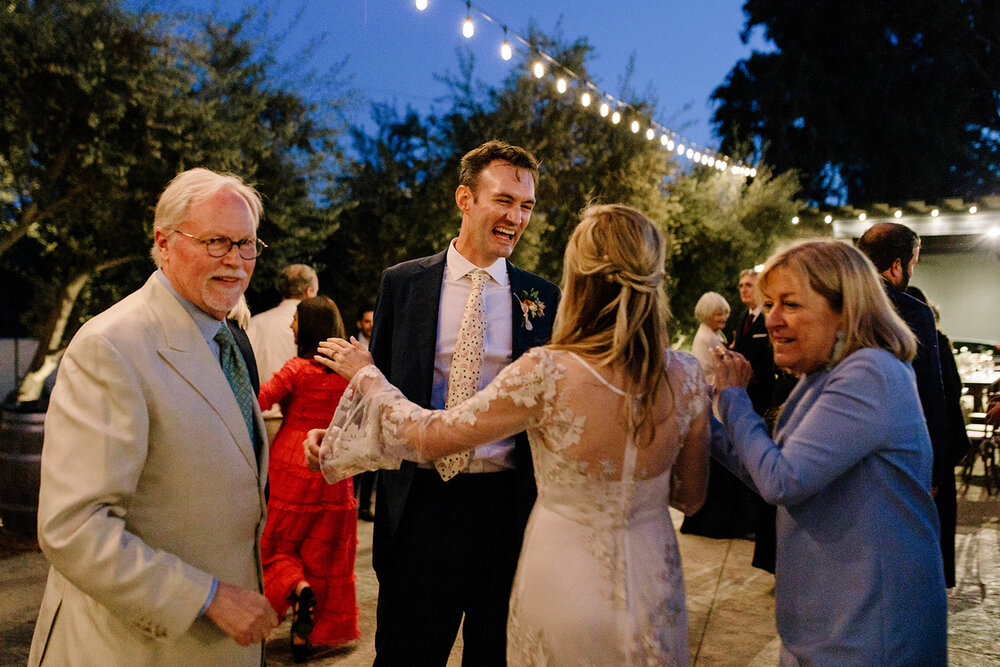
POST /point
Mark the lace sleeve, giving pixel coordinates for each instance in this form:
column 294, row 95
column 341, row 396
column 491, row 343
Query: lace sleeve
column 355, row 441
column 375, row 426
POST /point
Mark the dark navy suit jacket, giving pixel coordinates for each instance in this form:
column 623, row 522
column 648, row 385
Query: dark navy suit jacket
column 927, row 366
column 403, row 343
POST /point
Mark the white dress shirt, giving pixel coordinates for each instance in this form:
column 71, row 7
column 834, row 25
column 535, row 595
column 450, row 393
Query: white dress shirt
column 455, row 290
column 272, row 339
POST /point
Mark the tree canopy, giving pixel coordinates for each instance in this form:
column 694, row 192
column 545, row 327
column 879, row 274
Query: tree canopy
column 398, row 196
column 873, row 101
column 102, row 108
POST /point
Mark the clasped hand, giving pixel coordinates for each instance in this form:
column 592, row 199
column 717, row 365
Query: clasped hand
column 344, row 358
column 731, row 369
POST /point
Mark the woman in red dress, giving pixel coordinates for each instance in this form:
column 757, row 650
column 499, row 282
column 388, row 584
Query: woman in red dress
column 310, row 537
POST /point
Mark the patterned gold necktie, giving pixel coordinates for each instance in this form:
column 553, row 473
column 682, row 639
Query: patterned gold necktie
column 238, row 376
column 466, row 365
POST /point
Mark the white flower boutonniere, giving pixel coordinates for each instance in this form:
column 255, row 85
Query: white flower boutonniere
column 532, row 306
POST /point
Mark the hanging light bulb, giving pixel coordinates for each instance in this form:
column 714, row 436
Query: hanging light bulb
column 561, row 85
column 616, row 118
column 696, row 157
column 828, row 219
column 689, row 153
column 973, row 209
column 935, row 213
column 711, row 160
column 680, row 149
column 505, row 50
column 421, row 4
column 670, row 144
column 862, row 216
column 468, row 30
column 585, row 99
column 634, row 127
column 664, row 139
column 650, row 134
column 795, row 220
column 538, row 69
column 604, row 109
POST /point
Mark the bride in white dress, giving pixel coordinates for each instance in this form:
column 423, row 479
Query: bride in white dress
column 618, row 427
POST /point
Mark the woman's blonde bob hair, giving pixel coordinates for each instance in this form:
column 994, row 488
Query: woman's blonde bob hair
column 842, row 275
column 613, row 306
column 708, row 305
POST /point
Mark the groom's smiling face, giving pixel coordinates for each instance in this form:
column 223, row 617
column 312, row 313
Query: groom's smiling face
column 495, row 216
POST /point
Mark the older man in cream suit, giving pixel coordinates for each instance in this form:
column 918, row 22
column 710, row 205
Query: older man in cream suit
column 154, row 461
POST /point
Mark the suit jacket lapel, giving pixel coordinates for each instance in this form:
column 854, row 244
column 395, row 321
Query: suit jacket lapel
column 424, row 306
column 187, row 352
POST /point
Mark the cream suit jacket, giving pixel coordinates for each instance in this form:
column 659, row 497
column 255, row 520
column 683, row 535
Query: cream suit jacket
column 149, row 489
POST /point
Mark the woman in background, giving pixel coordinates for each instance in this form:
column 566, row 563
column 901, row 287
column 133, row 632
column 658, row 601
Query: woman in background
column 730, row 509
column 310, row 538
column 712, row 312
column 859, row 577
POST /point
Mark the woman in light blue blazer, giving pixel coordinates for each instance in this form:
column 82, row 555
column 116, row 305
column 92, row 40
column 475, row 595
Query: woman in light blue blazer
column 859, row 578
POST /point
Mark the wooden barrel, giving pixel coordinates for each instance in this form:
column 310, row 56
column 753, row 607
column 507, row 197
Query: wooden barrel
column 20, row 469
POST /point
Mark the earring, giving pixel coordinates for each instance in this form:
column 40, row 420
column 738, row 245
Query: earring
column 838, row 347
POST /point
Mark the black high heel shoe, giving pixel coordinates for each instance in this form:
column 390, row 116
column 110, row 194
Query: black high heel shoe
column 303, row 604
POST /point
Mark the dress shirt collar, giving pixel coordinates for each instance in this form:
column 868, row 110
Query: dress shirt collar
column 754, row 312
column 457, row 266
column 208, row 325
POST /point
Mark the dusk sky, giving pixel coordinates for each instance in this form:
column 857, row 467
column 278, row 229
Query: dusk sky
column 683, row 49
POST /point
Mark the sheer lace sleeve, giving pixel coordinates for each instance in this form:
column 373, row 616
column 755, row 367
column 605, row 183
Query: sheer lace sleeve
column 375, row 426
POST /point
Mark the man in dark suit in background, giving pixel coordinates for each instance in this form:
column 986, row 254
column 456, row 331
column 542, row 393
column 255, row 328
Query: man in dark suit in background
column 750, row 339
column 444, row 549
column 894, row 250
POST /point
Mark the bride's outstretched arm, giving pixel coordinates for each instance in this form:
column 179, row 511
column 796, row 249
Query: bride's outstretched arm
column 514, row 400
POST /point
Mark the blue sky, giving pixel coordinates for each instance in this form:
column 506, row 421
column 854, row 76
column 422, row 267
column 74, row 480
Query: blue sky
column 682, row 49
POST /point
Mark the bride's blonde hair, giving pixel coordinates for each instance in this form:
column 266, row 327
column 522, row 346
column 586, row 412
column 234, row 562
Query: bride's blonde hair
column 613, row 306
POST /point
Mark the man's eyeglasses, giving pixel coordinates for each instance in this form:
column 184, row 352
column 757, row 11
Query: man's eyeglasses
column 219, row 246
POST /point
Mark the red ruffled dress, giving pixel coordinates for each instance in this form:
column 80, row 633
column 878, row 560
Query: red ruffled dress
column 312, row 527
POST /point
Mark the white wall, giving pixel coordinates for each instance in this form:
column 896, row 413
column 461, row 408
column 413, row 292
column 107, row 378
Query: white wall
column 965, row 286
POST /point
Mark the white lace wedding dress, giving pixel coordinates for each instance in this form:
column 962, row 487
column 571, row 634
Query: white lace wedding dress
column 599, row 578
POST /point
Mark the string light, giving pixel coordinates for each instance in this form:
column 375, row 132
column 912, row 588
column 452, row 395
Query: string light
column 695, row 153
column 468, row 30
column 935, row 213
column 972, row 210
column 828, row 219
column 795, row 220
column 862, row 216
column 898, row 214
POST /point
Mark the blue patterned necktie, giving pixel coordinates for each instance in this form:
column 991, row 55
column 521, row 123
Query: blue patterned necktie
column 239, row 378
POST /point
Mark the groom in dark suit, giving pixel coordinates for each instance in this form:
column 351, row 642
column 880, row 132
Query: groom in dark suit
column 448, row 549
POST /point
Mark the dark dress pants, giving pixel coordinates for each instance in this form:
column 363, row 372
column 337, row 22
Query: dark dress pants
column 455, row 552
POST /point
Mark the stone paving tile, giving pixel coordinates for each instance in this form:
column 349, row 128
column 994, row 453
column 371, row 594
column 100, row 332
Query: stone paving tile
column 730, row 604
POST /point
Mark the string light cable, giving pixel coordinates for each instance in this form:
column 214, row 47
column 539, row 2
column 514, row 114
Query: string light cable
column 610, row 106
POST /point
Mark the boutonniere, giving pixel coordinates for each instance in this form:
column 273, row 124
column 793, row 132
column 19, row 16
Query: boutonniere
column 532, row 306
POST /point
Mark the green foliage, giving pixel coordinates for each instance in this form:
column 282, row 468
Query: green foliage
column 401, row 189
column 103, row 107
column 871, row 100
